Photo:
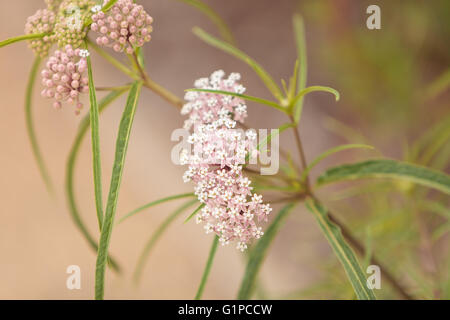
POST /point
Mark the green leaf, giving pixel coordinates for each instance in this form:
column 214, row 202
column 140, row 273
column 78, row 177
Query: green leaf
column 30, row 126
column 95, row 138
column 258, row 253
column 300, row 40
column 155, row 237
column 154, row 203
column 200, row 207
column 22, row 38
column 342, row 250
column 212, row 253
column 116, row 177
column 263, row 74
column 305, row 91
column 328, row 153
column 224, row 30
column 385, row 168
column 70, row 168
column 243, row 96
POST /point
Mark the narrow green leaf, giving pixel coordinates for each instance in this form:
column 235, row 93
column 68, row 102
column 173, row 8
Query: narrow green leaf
column 263, row 74
column 209, row 262
column 95, row 138
column 200, row 207
column 300, row 40
column 70, row 169
column 258, row 253
column 224, row 30
column 385, row 168
column 342, row 250
column 22, row 38
column 155, row 237
column 30, row 126
column 243, row 96
column 305, row 91
column 328, row 153
column 154, row 203
column 116, row 177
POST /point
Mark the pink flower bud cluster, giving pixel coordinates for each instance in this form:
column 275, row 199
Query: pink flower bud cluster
column 63, row 77
column 231, row 209
column 42, row 21
column 70, row 23
column 125, row 26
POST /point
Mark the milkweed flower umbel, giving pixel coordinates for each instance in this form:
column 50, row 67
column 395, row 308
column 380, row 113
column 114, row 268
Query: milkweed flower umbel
column 43, row 21
column 125, row 26
column 70, row 22
column 64, row 78
column 230, row 209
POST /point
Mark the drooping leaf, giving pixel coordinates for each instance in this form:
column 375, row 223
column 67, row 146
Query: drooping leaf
column 224, row 30
column 342, row 250
column 155, row 237
column 385, row 168
column 209, row 262
column 116, row 177
column 30, row 126
column 329, row 152
column 154, row 203
column 95, row 140
column 305, row 91
column 258, row 253
column 263, row 74
column 70, row 169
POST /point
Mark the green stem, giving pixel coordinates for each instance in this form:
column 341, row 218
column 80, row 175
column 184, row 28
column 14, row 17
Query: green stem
column 22, row 38
column 30, row 126
column 209, row 262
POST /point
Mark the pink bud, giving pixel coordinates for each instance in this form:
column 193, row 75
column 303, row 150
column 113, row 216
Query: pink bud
column 75, row 84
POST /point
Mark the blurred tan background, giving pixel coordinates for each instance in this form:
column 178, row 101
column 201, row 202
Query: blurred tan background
column 37, row 237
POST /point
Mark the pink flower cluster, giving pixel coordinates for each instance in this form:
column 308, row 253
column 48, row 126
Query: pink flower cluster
column 63, row 77
column 230, row 209
column 125, row 26
column 42, row 21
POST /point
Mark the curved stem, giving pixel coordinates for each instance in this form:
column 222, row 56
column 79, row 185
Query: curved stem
column 155, row 87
